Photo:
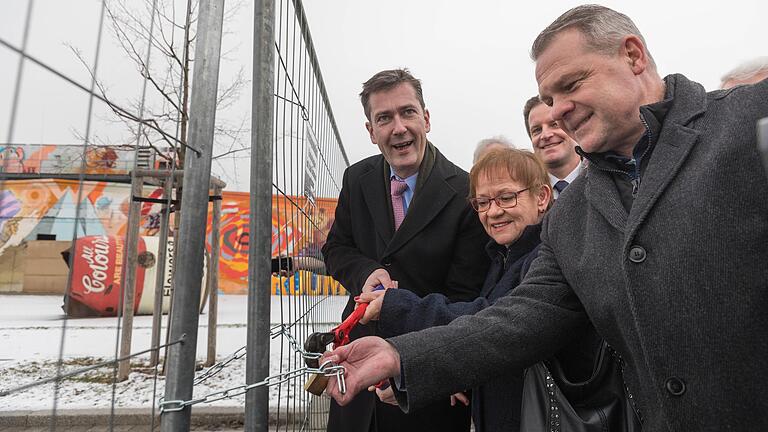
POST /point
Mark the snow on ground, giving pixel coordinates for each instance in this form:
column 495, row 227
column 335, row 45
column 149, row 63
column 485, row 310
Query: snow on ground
column 31, row 330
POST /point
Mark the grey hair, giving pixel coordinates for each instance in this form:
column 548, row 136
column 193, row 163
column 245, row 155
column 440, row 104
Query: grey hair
column 483, row 145
column 746, row 70
column 602, row 27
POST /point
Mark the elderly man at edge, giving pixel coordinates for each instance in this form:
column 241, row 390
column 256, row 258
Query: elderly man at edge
column 486, row 145
column 662, row 244
column 750, row 72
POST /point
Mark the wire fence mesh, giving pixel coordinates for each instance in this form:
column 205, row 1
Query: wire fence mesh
column 52, row 189
column 309, row 161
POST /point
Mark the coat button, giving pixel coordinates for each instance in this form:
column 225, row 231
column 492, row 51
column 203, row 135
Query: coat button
column 675, row 386
column 387, row 263
column 637, row 254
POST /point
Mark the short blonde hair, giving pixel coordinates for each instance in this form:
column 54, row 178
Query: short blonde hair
column 522, row 166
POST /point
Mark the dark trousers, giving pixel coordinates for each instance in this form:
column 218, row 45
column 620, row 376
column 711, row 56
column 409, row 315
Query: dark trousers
column 367, row 414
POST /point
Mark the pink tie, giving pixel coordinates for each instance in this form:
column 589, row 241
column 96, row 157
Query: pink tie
column 397, row 189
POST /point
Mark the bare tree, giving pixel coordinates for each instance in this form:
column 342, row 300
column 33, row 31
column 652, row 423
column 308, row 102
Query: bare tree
column 167, row 30
column 158, row 37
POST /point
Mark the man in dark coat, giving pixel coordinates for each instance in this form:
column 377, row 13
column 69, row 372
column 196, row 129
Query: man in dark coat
column 550, row 143
column 662, row 244
column 435, row 245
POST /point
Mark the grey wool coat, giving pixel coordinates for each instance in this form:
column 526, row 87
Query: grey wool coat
column 678, row 284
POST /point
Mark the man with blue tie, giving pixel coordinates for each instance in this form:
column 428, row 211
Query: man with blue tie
column 403, row 220
column 552, row 145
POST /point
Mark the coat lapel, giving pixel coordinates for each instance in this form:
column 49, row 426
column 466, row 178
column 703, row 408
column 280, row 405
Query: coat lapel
column 434, row 195
column 376, row 195
column 673, row 147
column 603, row 196
column 676, row 139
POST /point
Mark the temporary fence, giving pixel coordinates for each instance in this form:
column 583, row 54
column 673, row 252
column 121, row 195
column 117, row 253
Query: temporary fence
column 297, row 161
column 299, row 136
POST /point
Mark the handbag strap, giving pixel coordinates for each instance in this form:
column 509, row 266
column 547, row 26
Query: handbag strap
column 554, row 405
column 604, row 356
column 627, row 391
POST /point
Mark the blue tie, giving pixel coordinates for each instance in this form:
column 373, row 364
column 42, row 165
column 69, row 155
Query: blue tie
column 560, row 186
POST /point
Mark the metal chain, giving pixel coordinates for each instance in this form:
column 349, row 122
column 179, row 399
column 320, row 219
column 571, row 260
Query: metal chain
column 294, row 343
column 275, row 331
column 218, row 367
column 327, row 369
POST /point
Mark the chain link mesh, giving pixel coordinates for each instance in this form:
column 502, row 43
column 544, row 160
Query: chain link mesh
column 272, row 380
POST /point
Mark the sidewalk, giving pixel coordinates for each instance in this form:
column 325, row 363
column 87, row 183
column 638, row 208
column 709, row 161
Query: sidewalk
column 210, row 418
column 124, row 420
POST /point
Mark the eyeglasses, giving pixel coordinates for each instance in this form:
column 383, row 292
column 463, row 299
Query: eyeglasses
column 505, row 200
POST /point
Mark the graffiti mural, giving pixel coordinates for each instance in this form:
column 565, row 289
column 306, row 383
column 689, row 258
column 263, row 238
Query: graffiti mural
column 66, row 159
column 306, row 283
column 12, row 159
column 299, row 229
column 47, row 208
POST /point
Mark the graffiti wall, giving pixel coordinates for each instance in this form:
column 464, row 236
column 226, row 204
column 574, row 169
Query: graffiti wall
column 299, row 229
column 66, row 159
column 46, row 209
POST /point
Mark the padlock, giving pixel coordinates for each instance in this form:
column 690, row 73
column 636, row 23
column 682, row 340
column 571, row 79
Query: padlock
column 316, row 384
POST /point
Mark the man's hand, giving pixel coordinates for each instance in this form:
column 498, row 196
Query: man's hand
column 376, row 278
column 373, row 310
column 367, row 361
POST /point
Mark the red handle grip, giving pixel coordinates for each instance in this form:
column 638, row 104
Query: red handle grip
column 342, row 331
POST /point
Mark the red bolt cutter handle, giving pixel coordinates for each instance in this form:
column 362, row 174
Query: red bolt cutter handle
column 341, row 333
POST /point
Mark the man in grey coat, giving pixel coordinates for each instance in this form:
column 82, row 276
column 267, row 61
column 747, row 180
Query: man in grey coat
column 662, row 243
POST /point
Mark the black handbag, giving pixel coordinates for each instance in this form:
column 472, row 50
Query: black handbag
column 602, row 403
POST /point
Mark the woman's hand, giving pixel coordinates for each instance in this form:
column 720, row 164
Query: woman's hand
column 373, row 310
column 459, row 397
column 386, row 395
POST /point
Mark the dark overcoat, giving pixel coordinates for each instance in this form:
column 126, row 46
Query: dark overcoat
column 678, row 284
column 438, row 248
column 495, row 404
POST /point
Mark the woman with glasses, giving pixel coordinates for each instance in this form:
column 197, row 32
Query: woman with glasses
column 510, row 191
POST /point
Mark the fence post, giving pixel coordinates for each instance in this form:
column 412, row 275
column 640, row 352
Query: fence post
column 129, row 275
column 260, row 223
column 213, row 276
column 157, row 311
column 191, row 241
